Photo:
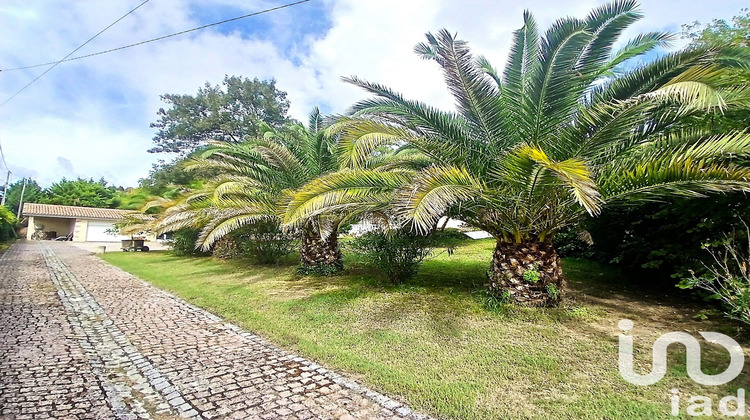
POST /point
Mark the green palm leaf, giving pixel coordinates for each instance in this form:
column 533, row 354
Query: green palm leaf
column 433, row 191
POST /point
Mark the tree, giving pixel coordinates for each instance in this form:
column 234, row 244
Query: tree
column 667, row 237
column 82, row 192
column 166, row 177
column 32, row 194
column 7, row 224
column 719, row 31
column 165, row 181
column 229, row 113
column 564, row 131
column 258, row 178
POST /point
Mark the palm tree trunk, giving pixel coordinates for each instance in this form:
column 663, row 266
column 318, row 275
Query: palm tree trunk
column 320, row 255
column 528, row 273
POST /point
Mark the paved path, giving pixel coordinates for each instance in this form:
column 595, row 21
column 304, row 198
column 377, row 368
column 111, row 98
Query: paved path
column 80, row 338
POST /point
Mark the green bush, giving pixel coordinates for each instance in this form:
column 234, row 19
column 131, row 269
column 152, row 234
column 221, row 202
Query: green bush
column 261, row 243
column 569, row 244
column 183, row 243
column 7, row 224
column 264, row 242
column 665, row 238
column 397, row 254
column 226, row 248
column 728, row 277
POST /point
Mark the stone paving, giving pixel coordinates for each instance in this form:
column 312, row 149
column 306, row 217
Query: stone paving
column 80, row 338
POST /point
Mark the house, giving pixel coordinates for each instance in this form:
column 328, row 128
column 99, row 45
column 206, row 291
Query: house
column 86, row 224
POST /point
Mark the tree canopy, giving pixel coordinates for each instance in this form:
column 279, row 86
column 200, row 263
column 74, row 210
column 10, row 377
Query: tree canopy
column 33, row 194
column 7, row 224
column 719, row 31
column 82, row 192
column 228, row 112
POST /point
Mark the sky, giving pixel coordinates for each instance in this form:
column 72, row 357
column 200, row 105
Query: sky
column 90, row 118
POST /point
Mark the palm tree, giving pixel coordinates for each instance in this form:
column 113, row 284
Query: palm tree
column 255, row 179
column 569, row 127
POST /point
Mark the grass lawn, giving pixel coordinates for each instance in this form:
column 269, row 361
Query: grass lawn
column 437, row 345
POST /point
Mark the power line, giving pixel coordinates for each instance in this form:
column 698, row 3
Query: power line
column 54, row 64
column 161, row 37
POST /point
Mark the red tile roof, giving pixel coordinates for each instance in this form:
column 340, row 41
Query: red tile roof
column 72, row 212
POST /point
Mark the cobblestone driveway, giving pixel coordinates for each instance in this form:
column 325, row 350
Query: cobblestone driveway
column 80, row 338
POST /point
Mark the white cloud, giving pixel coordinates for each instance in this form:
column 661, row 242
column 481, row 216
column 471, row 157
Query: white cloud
column 95, row 113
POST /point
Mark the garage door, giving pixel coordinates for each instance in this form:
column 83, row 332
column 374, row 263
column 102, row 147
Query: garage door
column 98, row 232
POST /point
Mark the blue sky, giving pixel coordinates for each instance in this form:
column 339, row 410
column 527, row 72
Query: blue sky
column 91, row 117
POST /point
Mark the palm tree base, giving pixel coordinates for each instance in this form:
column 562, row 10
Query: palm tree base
column 528, row 273
column 319, row 255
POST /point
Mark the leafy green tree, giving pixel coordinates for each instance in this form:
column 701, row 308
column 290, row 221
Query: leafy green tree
column 229, row 113
column 562, row 132
column 7, row 224
column 82, row 192
column 32, row 194
column 164, row 178
column 719, row 31
column 166, row 181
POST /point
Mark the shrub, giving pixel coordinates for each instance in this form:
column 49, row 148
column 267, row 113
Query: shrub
column 226, row 248
column 183, row 243
column 728, row 278
column 398, row 254
column 570, row 243
column 665, row 238
column 261, row 243
column 265, row 242
column 7, row 224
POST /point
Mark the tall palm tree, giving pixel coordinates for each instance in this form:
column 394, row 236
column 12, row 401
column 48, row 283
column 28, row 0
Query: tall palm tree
column 569, row 127
column 255, row 179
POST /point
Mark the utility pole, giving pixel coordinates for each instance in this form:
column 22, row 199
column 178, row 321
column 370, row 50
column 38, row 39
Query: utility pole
column 20, row 204
column 5, row 191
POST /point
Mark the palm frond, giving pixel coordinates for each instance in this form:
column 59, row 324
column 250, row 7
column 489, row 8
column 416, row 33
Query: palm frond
column 475, row 95
column 484, row 64
column 522, row 63
column 433, row 191
column 342, row 189
column 315, row 121
column 573, row 173
column 415, row 115
column 428, row 50
column 657, row 180
column 606, row 23
column 556, row 87
column 693, row 89
column 359, row 138
column 639, row 45
column 225, row 223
